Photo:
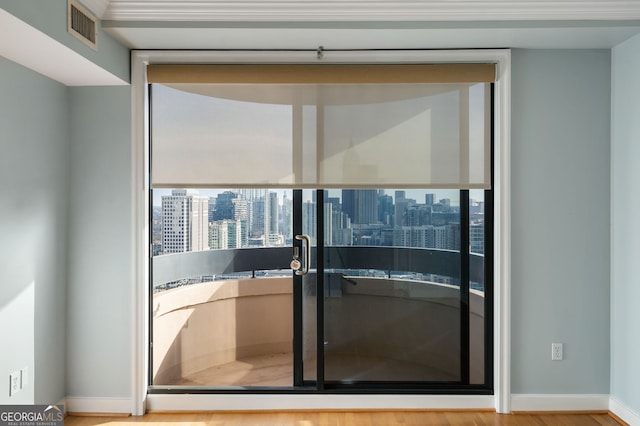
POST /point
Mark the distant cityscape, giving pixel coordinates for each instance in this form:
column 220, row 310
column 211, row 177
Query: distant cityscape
column 240, row 218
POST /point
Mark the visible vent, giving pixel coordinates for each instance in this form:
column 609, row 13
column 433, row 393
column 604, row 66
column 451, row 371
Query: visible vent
column 82, row 24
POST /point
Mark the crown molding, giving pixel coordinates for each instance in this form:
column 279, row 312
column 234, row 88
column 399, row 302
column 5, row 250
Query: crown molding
column 97, row 7
column 362, row 10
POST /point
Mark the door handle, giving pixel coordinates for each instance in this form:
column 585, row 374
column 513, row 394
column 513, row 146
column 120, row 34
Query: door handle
column 306, row 248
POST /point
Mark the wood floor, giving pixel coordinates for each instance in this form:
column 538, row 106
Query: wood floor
column 347, row 418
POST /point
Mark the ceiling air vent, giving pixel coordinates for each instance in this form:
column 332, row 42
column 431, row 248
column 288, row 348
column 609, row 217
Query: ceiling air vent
column 82, row 24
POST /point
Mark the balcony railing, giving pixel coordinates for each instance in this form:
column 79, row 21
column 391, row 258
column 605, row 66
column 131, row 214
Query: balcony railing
column 176, row 267
column 200, row 329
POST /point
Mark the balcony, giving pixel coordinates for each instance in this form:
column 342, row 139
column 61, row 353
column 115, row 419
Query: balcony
column 382, row 321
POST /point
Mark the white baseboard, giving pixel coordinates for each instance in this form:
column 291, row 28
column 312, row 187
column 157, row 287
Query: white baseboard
column 98, row 405
column 626, row 414
column 63, row 402
column 560, row 402
column 317, row 402
column 519, row 402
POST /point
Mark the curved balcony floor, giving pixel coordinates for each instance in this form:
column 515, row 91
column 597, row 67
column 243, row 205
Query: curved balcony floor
column 275, row 370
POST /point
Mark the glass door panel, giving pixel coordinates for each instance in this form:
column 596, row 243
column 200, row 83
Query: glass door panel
column 309, row 290
column 392, row 302
column 479, row 292
column 221, row 296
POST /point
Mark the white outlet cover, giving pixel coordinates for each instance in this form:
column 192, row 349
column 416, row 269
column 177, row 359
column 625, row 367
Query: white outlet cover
column 556, row 352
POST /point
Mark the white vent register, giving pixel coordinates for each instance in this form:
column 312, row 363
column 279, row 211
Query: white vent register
column 82, row 24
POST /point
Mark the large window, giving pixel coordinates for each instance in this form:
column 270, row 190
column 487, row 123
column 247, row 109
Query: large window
column 377, row 194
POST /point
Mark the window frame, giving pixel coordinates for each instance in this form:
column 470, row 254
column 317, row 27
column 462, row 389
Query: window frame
column 141, row 247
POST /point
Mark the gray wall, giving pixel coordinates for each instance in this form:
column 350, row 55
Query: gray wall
column 65, row 221
column 99, row 306
column 560, row 213
column 34, row 197
column 560, row 229
column 625, row 230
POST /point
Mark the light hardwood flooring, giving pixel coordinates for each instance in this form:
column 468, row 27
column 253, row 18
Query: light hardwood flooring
column 348, row 418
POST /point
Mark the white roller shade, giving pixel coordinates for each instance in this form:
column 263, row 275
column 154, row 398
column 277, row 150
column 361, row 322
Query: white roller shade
column 329, row 135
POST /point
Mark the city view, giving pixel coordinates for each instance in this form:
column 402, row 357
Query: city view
column 196, row 220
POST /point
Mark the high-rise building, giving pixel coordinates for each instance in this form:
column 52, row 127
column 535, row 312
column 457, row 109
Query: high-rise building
column 367, row 206
column 199, row 223
column 401, row 207
column 438, row 237
column 429, row 199
column 224, row 205
column 271, row 211
column 287, row 218
column 453, row 236
column 476, row 237
column 361, row 205
column 212, row 209
column 342, row 234
column 240, row 209
column 309, row 220
column 257, row 224
column 349, row 203
column 328, row 224
column 226, row 234
column 175, row 217
column 184, row 222
column 385, row 209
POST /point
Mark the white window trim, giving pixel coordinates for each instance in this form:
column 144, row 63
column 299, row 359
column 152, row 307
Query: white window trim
column 501, row 400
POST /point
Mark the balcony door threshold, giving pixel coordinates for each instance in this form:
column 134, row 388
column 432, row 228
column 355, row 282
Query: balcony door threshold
column 278, row 401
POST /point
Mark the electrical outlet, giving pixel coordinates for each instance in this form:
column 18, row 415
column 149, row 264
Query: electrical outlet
column 14, row 383
column 556, row 352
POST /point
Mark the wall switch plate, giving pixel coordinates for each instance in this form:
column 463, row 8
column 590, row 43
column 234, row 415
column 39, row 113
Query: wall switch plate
column 14, row 383
column 556, row 352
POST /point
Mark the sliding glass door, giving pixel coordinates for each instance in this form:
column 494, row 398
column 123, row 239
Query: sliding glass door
column 321, row 237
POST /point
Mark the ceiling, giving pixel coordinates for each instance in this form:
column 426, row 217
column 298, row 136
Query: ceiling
column 332, row 24
column 368, row 24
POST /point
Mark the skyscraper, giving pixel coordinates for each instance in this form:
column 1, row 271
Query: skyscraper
column 224, row 205
column 175, row 219
column 226, row 234
column 309, row 220
column 385, row 209
column 271, row 211
column 199, row 223
column 184, row 222
column 361, row 205
column 429, row 199
column 287, row 218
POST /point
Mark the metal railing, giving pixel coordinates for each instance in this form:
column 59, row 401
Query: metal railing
column 175, row 267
